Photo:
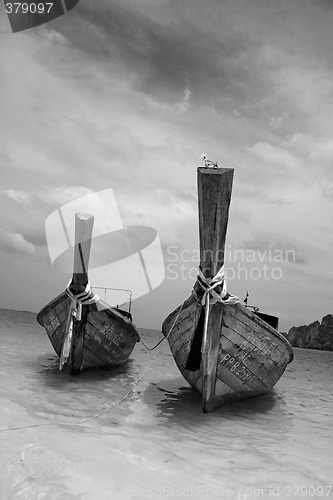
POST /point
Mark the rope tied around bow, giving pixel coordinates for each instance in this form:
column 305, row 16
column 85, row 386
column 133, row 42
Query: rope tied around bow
column 75, row 312
column 210, row 296
column 83, row 298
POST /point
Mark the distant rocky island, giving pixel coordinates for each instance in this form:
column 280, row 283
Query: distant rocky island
column 316, row 335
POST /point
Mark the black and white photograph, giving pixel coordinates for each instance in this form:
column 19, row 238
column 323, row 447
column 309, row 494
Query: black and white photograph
column 166, row 249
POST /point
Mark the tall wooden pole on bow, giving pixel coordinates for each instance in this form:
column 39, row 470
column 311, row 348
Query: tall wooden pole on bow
column 72, row 347
column 214, row 195
column 224, row 350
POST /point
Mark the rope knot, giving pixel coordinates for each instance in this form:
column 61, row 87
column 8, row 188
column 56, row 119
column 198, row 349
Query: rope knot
column 82, row 298
column 210, row 296
column 208, row 285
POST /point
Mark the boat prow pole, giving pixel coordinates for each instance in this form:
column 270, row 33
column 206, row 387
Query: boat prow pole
column 214, row 196
column 83, row 233
column 72, row 346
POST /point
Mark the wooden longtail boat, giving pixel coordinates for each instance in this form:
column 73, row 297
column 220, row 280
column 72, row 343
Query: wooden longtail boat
column 84, row 330
column 223, row 349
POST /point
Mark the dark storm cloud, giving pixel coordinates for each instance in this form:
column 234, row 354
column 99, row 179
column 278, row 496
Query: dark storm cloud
column 168, row 57
column 128, row 93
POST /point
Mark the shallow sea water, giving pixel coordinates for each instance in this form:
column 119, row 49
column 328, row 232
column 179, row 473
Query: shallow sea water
column 138, row 432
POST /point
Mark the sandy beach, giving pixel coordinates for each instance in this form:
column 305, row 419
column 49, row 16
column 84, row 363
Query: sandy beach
column 69, row 438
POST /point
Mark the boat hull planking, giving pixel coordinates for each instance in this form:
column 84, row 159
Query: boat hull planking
column 252, row 355
column 103, row 336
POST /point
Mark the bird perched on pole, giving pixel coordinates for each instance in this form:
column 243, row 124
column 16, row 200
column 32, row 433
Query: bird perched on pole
column 208, row 163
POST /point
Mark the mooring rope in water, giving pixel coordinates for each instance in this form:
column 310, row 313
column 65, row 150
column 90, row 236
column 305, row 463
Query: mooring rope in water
column 152, row 348
column 113, row 405
column 164, row 338
column 116, row 403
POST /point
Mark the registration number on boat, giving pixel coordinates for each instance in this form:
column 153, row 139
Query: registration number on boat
column 54, row 323
column 237, row 368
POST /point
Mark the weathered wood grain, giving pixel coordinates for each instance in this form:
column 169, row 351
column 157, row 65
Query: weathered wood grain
column 242, row 355
column 83, row 234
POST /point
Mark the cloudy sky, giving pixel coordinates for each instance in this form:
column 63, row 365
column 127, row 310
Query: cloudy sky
column 127, row 95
